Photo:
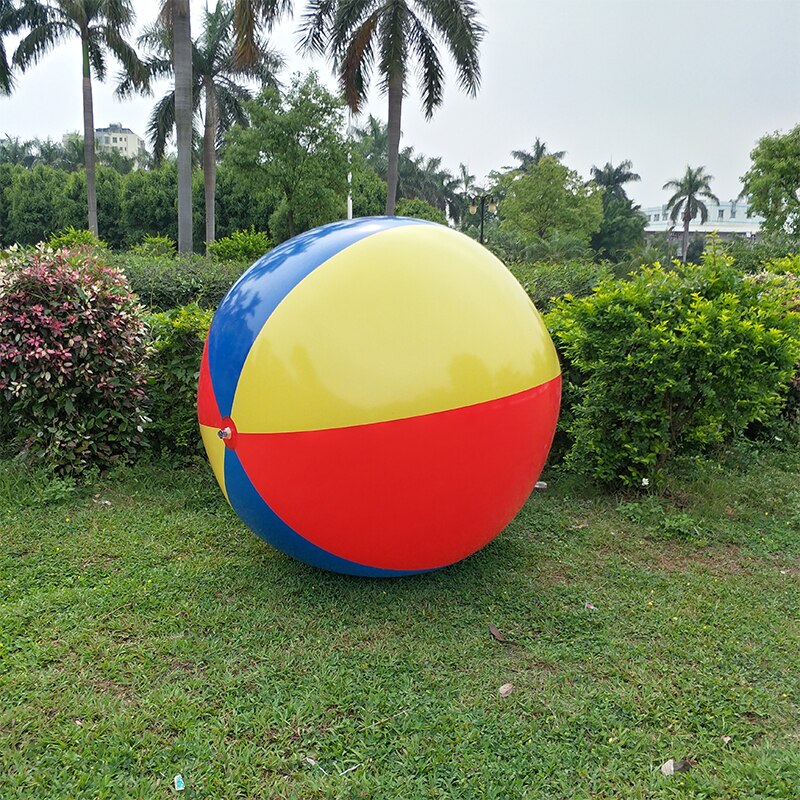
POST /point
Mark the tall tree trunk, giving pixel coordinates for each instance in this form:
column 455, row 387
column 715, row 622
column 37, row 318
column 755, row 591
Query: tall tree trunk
column 182, row 64
column 395, row 109
column 88, row 139
column 685, row 244
column 210, row 160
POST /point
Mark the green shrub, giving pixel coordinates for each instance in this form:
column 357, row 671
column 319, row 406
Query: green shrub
column 546, row 282
column 787, row 265
column 71, row 238
column 247, row 245
column 152, row 246
column 177, row 338
column 420, row 209
column 164, row 282
column 672, row 361
column 72, row 352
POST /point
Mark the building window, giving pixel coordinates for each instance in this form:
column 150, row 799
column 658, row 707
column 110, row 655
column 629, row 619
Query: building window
column 649, row 218
column 655, row 217
column 721, row 214
column 733, row 212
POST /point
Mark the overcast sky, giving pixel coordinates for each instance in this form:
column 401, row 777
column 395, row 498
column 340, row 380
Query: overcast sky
column 664, row 83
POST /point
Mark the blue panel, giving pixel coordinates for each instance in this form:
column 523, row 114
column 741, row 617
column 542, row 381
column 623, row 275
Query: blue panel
column 261, row 519
column 252, row 299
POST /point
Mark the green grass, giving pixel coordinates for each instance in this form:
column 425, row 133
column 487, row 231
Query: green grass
column 146, row 633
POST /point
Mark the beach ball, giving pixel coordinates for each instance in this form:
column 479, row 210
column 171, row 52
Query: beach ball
column 378, row 396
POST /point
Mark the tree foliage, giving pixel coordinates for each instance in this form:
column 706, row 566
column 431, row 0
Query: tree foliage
column 361, row 35
column 550, row 198
column 295, row 150
column 773, row 182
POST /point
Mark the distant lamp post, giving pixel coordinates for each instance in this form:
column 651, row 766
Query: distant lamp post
column 484, row 201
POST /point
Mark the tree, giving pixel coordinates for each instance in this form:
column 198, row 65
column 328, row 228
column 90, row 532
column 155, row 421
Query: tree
column 530, row 158
column 373, row 143
column 549, row 198
column 623, row 224
column 10, row 21
column 175, row 15
column 101, row 26
column 148, row 203
column 357, row 33
column 214, row 84
column 686, row 202
column 773, row 182
column 621, row 230
column 420, row 209
column 17, row 151
column 293, row 149
column 612, row 179
column 35, row 203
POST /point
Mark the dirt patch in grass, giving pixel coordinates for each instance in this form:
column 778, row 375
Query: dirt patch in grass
column 717, row 560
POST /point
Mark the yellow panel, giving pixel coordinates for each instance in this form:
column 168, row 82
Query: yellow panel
column 215, row 450
column 409, row 321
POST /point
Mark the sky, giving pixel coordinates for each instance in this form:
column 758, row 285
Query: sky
column 664, row 83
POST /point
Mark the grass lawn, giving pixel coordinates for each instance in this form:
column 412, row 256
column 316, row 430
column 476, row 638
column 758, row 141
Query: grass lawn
column 144, row 632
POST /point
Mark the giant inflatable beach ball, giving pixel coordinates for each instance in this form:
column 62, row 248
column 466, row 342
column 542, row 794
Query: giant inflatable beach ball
column 378, row 396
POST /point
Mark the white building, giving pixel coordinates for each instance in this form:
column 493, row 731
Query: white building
column 727, row 219
column 123, row 140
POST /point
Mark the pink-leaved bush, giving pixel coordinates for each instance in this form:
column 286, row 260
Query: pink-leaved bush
column 72, row 359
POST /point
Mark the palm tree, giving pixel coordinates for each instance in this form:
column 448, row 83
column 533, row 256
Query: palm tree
column 612, row 179
column 359, row 33
column 695, row 183
column 101, row 25
column 530, row 158
column 17, row 151
column 9, row 23
column 246, row 16
column 373, row 141
column 175, row 16
column 214, row 74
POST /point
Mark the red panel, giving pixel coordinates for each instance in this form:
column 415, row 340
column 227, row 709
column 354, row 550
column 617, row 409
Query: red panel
column 414, row 493
column 207, row 408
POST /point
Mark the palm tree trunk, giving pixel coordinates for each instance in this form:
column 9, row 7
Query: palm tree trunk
column 182, row 63
column 210, row 160
column 685, row 244
column 88, row 140
column 395, row 109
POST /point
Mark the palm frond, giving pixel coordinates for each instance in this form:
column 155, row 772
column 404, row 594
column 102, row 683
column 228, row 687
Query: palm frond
column 40, row 41
column 458, row 22
column 357, row 61
column 247, row 14
column 431, row 80
column 315, row 25
column 161, row 125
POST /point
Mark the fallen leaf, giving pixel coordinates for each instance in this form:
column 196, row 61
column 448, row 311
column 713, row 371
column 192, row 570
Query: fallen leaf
column 671, row 767
column 725, row 739
column 580, row 526
column 497, row 635
column 506, row 689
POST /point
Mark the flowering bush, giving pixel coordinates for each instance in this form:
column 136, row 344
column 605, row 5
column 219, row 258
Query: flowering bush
column 72, row 353
column 672, row 361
